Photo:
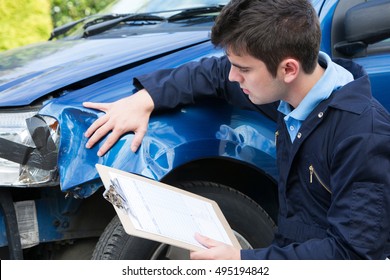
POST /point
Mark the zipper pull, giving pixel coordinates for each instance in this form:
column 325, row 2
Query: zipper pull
column 311, row 169
column 276, row 136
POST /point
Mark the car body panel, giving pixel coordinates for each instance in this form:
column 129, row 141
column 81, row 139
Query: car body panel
column 63, row 74
column 326, row 11
column 378, row 69
column 162, row 138
column 32, row 72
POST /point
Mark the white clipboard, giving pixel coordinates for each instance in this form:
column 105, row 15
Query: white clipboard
column 163, row 213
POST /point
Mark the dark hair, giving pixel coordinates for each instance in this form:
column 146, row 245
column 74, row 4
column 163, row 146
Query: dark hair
column 270, row 30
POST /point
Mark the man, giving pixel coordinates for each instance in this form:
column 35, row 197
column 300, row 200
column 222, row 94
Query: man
column 333, row 139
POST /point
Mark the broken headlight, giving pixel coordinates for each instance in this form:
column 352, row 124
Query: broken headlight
column 28, row 148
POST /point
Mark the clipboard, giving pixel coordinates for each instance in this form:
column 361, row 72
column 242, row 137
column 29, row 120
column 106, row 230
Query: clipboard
column 119, row 201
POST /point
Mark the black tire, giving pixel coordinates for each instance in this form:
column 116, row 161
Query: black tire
column 250, row 222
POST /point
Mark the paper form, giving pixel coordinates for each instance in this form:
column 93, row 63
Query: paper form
column 167, row 213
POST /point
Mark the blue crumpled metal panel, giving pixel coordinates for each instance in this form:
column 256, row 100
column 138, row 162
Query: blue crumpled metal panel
column 174, row 138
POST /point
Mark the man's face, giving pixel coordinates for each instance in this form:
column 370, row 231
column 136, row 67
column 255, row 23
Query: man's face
column 255, row 79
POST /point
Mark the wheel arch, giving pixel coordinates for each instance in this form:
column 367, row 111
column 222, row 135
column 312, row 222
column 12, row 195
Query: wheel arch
column 242, row 177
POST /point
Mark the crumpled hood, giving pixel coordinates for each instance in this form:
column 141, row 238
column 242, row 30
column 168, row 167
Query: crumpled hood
column 31, row 72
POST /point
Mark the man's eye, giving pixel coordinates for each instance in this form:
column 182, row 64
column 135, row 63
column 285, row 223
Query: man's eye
column 244, row 70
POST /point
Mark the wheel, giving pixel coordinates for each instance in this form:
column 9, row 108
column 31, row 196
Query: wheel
column 250, row 223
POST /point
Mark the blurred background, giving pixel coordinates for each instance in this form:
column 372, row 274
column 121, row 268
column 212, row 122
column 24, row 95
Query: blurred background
column 24, row 22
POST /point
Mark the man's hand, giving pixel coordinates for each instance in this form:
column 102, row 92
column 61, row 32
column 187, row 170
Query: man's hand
column 130, row 114
column 215, row 250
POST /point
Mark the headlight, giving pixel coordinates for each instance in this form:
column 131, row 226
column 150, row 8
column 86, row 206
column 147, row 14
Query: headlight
column 28, row 148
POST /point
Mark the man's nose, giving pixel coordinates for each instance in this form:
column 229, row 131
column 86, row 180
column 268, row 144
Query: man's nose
column 234, row 76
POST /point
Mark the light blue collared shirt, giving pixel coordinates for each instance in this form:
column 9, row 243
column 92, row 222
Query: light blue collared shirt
column 333, row 78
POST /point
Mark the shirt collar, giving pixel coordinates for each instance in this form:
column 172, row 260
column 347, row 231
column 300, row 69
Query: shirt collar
column 333, row 78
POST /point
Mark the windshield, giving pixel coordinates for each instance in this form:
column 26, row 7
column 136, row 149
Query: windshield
column 150, row 6
column 126, row 13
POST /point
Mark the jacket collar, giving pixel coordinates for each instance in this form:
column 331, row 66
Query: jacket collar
column 355, row 96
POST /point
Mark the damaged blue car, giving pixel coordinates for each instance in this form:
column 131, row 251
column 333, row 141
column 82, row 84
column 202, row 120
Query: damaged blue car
column 50, row 192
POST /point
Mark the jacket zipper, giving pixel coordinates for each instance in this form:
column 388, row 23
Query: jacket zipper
column 312, row 171
column 276, row 136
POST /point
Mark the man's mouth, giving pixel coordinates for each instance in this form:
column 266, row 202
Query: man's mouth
column 246, row 91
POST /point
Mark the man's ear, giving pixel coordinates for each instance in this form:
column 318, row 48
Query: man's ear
column 290, row 69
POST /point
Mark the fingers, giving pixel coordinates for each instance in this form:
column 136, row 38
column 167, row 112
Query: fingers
column 97, row 131
column 215, row 250
column 96, row 124
column 103, row 126
column 100, row 128
column 129, row 114
column 205, row 241
column 199, row 255
column 203, row 254
column 98, row 106
column 137, row 140
column 111, row 140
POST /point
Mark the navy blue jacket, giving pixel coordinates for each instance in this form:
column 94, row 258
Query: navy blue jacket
column 334, row 183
